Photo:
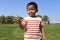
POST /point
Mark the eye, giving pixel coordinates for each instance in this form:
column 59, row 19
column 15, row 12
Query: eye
column 31, row 9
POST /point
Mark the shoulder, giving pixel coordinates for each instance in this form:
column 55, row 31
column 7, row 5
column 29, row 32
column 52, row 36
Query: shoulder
column 39, row 18
column 26, row 18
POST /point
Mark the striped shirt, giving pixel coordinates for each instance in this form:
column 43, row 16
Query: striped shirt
column 32, row 27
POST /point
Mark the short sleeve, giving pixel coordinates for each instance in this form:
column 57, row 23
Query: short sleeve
column 42, row 23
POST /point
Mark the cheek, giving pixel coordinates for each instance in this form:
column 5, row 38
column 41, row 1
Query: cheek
column 33, row 11
column 28, row 12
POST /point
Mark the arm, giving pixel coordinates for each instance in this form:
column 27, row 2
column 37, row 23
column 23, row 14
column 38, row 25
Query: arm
column 21, row 25
column 42, row 31
column 19, row 21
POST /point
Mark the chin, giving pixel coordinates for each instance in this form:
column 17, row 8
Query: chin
column 32, row 16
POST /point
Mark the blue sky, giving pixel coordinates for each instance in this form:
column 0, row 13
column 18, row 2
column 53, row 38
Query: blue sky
column 51, row 8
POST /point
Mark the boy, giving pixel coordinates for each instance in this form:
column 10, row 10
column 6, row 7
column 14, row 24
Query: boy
column 32, row 24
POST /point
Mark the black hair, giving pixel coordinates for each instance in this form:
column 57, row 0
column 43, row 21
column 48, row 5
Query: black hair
column 34, row 4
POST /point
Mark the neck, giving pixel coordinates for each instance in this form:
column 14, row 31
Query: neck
column 33, row 16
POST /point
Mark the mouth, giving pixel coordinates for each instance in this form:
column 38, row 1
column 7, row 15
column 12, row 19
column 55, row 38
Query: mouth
column 32, row 15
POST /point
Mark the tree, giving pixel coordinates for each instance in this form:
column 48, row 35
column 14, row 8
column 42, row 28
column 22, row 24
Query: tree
column 2, row 19
column 9, row 20
column 39, row 15
column 48, row 21
column 45, row 18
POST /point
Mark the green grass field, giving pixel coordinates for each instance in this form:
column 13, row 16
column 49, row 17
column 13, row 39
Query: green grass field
column 13, row 32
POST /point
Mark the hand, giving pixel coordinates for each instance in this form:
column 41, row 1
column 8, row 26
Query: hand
column 17, row 19
column 45, row 38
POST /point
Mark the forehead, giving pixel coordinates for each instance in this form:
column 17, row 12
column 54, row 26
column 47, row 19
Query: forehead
column 31, row 6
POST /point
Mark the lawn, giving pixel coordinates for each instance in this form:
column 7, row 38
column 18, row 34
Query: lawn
column 13, row 32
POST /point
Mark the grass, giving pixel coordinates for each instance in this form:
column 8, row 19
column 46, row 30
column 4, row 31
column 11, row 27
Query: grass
column 53, row 31
column 13, row 32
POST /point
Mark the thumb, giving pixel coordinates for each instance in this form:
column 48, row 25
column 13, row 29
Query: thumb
column 17, row 16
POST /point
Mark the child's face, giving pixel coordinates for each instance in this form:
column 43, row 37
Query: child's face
column 31, row 10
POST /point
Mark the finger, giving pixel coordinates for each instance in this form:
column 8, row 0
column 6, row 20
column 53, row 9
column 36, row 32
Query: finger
column 17, row 15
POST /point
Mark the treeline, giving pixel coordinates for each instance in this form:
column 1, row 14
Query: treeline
column 7, row 19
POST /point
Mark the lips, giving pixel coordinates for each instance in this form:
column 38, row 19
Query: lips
column 31, row 14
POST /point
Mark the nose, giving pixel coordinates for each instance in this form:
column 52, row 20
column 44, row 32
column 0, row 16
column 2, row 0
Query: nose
column 30, row 11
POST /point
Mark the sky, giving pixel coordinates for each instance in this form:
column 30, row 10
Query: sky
column 51, row 8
